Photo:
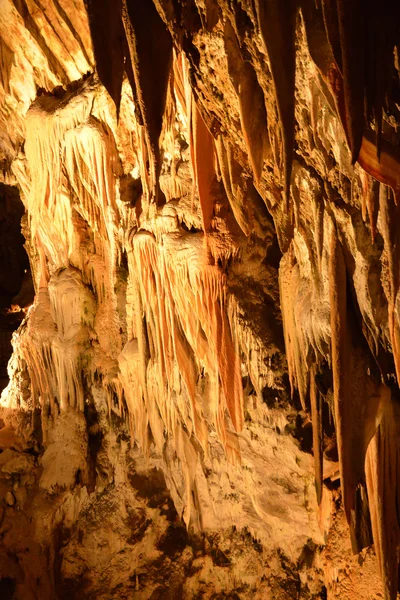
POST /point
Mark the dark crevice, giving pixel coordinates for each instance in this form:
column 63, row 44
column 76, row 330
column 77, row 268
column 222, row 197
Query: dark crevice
column 16, row 288
column 7, row 588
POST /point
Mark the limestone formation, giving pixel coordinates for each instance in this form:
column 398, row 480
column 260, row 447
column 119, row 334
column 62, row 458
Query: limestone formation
column 202, row 399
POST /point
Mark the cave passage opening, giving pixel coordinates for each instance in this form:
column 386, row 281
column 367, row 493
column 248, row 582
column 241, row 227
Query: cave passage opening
column 16, row 286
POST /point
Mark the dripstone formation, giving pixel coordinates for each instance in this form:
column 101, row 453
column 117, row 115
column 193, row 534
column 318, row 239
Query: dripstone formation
column 202, row 400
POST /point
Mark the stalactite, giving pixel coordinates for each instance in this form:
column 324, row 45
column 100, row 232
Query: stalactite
column 203, row 146
column 351, row 32
column 6, row 56
column 252, row 348
column 93, row 181
column 230, row 173
column 229, row 368
column 357, row 396
column 386, row 168
column 160, row 336
column 382, row 23
column 316, row 418
column 53, row 127
column 73, row 165
column 56, row 341
column 38, row 355
column 331, row 21
column 382, row 164
column 253, row 116
column 184, row 96
column 109, row 43
column 339, row 350
column 182, row 299
column 382, row 469
column 389, row 216
column 179, row 79
column 277, row 22
column 289, row 278
column 372, row 201
column 319, row 230
column 378, row 158
column 150, row 47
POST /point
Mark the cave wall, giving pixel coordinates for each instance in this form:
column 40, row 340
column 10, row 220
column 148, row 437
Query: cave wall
column 211, row 201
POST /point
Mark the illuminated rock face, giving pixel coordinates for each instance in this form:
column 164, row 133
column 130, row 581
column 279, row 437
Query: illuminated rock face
column 203, row 397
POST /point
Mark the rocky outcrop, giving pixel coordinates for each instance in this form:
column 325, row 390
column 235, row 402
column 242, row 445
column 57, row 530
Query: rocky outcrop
column 211, row 200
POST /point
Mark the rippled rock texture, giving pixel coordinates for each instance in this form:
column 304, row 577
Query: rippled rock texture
column 203, row 398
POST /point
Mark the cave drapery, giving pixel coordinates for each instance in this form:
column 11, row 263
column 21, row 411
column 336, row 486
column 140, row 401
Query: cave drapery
column 211, row 193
